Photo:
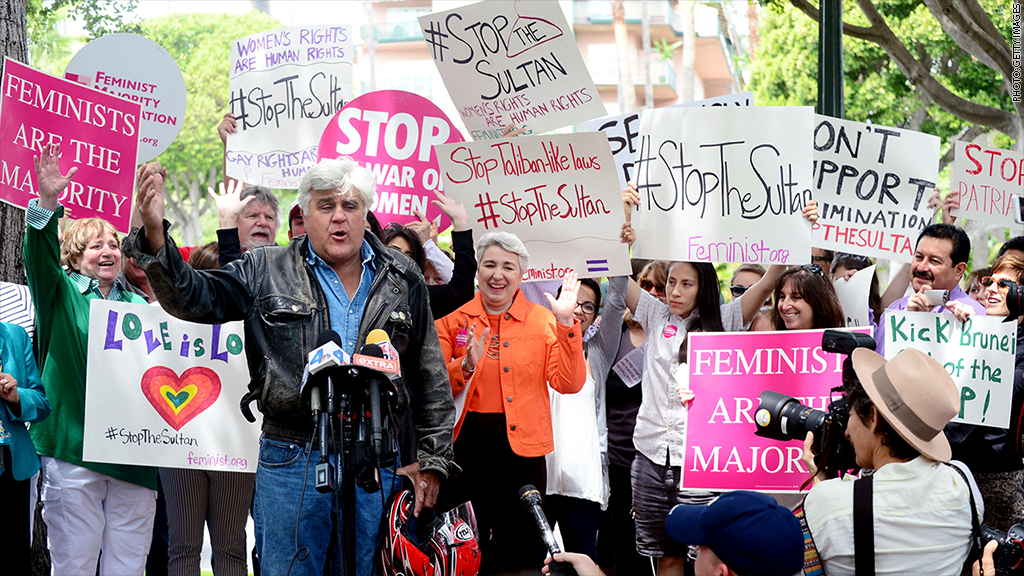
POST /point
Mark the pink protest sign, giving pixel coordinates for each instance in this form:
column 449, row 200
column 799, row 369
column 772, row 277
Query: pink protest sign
column 97, row 132
column 392, row 133
column 728, row 372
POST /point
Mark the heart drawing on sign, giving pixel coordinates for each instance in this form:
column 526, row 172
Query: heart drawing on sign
column 180, row 399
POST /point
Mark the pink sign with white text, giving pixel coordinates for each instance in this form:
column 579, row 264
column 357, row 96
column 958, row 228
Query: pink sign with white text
column 97, row 132
column 392, row 133
column 728, row 372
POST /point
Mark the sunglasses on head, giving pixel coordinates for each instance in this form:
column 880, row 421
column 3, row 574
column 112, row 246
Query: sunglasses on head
column 738, row 291
column 646, row 285
column 1003, row 283
column 813, row 269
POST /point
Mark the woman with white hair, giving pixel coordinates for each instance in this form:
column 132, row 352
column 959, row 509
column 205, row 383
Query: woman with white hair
column 500, row 382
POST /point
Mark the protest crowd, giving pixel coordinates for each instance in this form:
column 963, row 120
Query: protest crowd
column 429, row 411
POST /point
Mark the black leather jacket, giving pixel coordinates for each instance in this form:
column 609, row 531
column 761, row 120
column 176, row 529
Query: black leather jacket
column 278, row 296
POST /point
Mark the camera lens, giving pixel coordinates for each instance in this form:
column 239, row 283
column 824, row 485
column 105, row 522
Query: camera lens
column 781, row 417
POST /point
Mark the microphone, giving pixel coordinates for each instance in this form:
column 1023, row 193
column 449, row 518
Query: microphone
column 373, row 355
column 530, row 499
column 327, row 355
column 381, row 338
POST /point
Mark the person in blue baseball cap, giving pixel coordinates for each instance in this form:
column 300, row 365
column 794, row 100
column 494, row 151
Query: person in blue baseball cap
column 740, row 533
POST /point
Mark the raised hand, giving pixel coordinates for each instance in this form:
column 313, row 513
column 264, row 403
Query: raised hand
column 627, row 235
column 455, row 212
column 630, row 198
column 229, row 203
column 511, row 131
column 150, row 203
column 564, row 306
column 811, row 211
column 475, row 348
column 425, row 229
column 51, row 181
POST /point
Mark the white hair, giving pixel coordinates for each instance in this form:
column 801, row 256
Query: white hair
column 506, row 241
column 338, row 174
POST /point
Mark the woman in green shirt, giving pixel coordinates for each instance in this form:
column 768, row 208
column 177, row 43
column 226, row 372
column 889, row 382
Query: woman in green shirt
column 87, row 506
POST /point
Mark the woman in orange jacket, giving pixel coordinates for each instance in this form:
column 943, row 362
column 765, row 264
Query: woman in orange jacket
column 500, row 384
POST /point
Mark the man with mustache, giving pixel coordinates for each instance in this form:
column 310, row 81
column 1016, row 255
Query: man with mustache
column 940, row 260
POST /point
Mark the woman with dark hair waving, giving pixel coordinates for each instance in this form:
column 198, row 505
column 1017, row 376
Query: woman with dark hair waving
column 693, row 304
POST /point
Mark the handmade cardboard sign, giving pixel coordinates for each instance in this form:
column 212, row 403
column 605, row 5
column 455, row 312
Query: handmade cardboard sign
column 286, row 85
column 978, row 354
column 393, row 134
column 986, row 180
column 853, row 296
column 557, row 193
column 728, row 372
column 97, row 132
column 723, row 185
column 623, row 130
column 164, row 392
column 510, row 62
column 135, row 68
column 872, row 185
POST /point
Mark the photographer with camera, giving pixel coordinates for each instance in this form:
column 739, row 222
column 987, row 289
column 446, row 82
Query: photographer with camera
column 911, row 512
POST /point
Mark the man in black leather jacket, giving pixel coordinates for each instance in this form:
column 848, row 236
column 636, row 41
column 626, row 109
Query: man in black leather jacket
column 287, row 296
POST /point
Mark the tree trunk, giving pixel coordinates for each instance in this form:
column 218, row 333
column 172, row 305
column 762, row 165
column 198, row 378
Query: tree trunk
column 14, row 45
column 627, row 93
column 689, row 75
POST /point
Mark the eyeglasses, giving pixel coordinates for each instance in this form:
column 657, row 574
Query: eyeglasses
column 738, row 291
column 1003, row 283
column 588, row 307
column 646, row 285
column 824, row 259
column 856, row 258
column 813, row 269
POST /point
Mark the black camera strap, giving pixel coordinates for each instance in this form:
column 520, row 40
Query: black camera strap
column 863, row 526
column 977, row 545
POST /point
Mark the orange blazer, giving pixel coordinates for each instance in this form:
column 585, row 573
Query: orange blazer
column 535, row 351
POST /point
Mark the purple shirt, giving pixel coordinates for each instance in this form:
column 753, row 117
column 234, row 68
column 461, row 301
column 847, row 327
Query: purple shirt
column 955, row 295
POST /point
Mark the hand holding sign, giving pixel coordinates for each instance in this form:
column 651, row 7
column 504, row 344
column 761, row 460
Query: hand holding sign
column 227, row 126
column 51, row 181
column 229, row 203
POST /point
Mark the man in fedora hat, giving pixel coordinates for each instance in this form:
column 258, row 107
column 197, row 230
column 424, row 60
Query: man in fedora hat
column 921, row 508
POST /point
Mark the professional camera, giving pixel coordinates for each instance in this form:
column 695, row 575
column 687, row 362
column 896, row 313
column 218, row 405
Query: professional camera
column 1014, row 300
column 781, row 417
column 1009, row 556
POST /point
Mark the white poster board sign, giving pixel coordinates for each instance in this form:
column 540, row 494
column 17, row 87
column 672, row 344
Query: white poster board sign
column 872, row 185
column 510, row 62
column 724, row 185
column 978, row 354
column 986, row 179
column 135, row 68
column 622, row 130
column 164, row 392
column 286, row 85
column 853, row 296
column 558, row 193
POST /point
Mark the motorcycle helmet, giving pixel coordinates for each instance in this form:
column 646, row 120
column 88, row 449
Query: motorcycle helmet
column 448, row 548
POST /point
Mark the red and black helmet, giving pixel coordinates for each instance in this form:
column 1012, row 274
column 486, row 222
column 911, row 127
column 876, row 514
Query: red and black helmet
column 450, row 547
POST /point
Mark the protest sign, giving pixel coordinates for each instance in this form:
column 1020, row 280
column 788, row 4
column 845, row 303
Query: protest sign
column 135, row 68
column 872, row 185
column 286, row 85
column 723, row 185
column 97, row 132
column 509, row 62
column 393, row 134
column 164, row 392
column 623, row 130
column 558, row 193
column 978, row 354
column 728, row 372
column 853, row 296
column 986, row 180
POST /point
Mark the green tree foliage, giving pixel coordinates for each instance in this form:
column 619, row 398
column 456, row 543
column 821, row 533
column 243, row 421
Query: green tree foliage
column 50, row 50
column 877, row 88
column 201, row 45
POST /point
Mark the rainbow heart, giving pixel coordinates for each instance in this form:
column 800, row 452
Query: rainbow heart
column 179, row 400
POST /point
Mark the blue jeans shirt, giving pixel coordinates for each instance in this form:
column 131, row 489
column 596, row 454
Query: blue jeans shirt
column 346, row 314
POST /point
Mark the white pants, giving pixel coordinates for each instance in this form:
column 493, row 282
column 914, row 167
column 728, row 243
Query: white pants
column 86, row 512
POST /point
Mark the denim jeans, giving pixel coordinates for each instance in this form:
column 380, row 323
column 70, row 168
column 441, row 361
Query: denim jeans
column 290, row 514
